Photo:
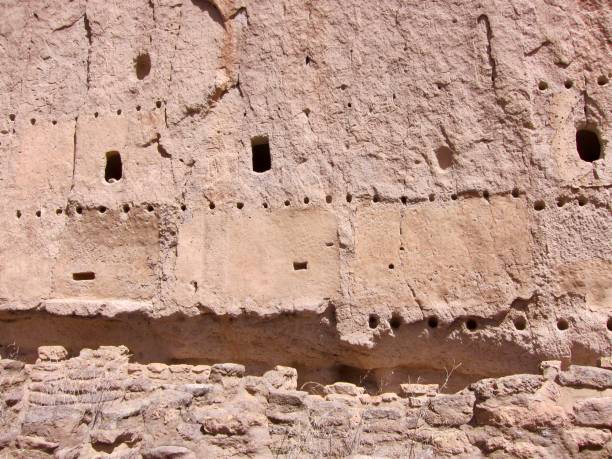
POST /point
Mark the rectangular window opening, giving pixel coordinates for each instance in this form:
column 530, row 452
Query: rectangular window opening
column 83, row 276
column 262, row 160
column 299, row 265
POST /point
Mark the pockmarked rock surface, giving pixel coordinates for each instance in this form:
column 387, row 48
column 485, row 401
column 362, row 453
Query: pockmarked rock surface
column 351, row 196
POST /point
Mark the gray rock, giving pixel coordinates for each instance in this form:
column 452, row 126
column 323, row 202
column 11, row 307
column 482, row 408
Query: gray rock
column 592, row 377
column 594, row 412
column 168, row 452
column 450, row 410
column 226, row 370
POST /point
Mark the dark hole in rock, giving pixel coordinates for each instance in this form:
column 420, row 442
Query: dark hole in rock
column 260, row 148
column 588, row 145
column 395, row 322
column 373, row 321
column 562, row 324
column 83, row 276
column 471, row 324
column 143, row 65
column 520, row 323
column 445, row 157
column 300, row 265
column 432, row 322
column 114, row 167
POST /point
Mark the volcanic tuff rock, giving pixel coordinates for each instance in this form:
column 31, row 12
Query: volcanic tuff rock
column 372, row 195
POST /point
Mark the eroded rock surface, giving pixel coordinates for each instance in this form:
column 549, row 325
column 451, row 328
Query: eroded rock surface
column 371, row 195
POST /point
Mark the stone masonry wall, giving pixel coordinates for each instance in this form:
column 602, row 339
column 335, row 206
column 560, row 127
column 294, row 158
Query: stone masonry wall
column 98, row 404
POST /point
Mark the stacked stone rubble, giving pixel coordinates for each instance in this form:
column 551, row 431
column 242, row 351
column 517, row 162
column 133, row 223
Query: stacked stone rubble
column 99, row 405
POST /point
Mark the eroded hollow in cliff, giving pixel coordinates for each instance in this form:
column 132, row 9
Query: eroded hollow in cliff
column 114, row 167
column 445, row 157
column 143, row 65
column 262, row 159
column 306, row 340
column 588, row 145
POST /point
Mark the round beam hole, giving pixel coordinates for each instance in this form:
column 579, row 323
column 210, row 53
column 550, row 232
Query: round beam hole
column 471, row 324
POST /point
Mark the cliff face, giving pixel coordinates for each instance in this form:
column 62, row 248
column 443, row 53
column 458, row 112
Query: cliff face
column 367, row 193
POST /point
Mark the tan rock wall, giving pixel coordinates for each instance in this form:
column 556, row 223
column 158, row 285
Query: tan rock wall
column 426, row 204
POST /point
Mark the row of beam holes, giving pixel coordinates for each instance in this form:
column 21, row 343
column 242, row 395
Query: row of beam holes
column 13, row 117
column 537, row 205
column 471, row 324
column 158, row 104
column 602, row 80
column 125, row 208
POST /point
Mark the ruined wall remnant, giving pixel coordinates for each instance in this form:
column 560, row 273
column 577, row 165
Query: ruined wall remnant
column 369, row 195
column 125, row 409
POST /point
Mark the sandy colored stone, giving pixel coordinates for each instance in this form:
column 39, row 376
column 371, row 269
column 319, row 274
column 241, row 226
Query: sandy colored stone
column 52, row 353
column 429, row 215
